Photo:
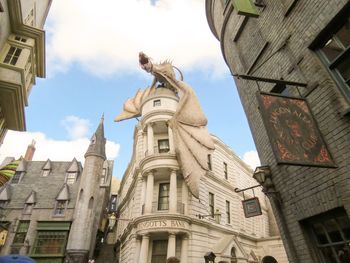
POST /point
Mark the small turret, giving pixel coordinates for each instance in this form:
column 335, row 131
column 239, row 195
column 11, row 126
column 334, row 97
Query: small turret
column 97, row 142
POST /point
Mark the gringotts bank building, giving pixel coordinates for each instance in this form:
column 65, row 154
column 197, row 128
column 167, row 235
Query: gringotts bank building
column 177, row 197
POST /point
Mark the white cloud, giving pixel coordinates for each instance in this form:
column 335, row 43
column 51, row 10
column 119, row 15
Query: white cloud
column 16, row 143
column 76, row 127
column 105, row 38
column 252, row 159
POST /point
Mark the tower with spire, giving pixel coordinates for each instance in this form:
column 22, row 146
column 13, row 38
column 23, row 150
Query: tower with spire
column 89, row 203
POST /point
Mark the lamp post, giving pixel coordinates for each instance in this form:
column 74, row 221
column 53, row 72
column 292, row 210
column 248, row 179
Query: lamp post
column 112, row 219
column 263, row 176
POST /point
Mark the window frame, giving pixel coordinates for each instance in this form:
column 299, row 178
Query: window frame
column 157, row 103
column 328, row 33
column 211, row 204
column 17, row 176
column 20, row 230
column 165, row 197
column 69, row 177
column 228, row 212
column 165, row 150
column 320, row 246
column 225, row 170
column 63, row 209
column 12, row 57
column 41, row 235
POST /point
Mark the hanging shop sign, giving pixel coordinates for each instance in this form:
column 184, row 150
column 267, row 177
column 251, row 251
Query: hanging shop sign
column 293, row 131
column 251, row 207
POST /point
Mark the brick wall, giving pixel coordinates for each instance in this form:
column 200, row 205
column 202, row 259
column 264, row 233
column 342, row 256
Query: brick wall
column 305, row 191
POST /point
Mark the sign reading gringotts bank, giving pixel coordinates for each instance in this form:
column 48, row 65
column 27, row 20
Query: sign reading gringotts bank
column 293, row 132
column 163, row 223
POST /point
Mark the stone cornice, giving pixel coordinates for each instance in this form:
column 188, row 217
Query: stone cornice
column 163, row 156
column 155, row 113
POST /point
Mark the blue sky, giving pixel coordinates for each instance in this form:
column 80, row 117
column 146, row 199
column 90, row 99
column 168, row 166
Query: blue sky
column 92, row 68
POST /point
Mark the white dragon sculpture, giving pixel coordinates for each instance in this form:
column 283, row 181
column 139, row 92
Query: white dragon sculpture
column 192, row 140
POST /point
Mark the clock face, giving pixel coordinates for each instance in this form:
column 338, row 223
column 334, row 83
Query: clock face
column 292, row 130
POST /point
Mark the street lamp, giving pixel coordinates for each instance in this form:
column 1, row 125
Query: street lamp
column 112, row 219
column 263, row 175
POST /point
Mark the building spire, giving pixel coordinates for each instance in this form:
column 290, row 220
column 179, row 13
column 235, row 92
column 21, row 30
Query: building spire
column 97, row 142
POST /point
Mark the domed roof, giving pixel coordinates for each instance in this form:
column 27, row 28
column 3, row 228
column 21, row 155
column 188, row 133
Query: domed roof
column 163, row 91
column 8, row 171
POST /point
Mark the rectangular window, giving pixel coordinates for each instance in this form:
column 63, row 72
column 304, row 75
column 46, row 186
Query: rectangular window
column 225, row 171
column 209, row 162
column 211, row 204
column 60, row 207
column 156, row 103
column 334, row 52
column 50, row 243
column 163, row 146
column 16, row 178
column 163, row 199
column 71, row 177
column 331, row 232
column 21, row 39
column 159, row 251
column 21, row 232
column 228, row 213
column 12, row 55
column 46, row 172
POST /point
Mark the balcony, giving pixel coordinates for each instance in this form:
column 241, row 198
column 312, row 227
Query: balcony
column 164, row 208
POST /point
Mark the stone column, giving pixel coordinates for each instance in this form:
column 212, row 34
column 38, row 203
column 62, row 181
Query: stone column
column 150, row 139
column 171, row 245
column 144, row 249
column 173, row 192
column 145, row 143
column 171, row 140
column 184, row 250
column 137, row 250
column 143, row 194
column 185, row 196
column 149, row 192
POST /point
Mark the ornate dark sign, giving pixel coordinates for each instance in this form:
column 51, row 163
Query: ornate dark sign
column 251, row 207
column 293, row 132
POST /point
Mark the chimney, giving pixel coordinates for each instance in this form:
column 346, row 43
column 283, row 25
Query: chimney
column 30, row 151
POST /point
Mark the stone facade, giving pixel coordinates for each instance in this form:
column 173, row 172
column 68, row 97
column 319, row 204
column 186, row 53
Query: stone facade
column 160, row 218
column 54, row 211
column 22, row 57
column 296, row 41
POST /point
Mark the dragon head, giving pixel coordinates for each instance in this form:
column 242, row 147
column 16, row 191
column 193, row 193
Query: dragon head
column 160, row 71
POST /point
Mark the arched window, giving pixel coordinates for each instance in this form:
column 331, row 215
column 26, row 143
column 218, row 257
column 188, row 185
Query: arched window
column 269, row 259
column 233, row 255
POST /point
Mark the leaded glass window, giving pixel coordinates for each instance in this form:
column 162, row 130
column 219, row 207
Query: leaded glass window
column 12, row 55
column 331, row 232
column 50, row 242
